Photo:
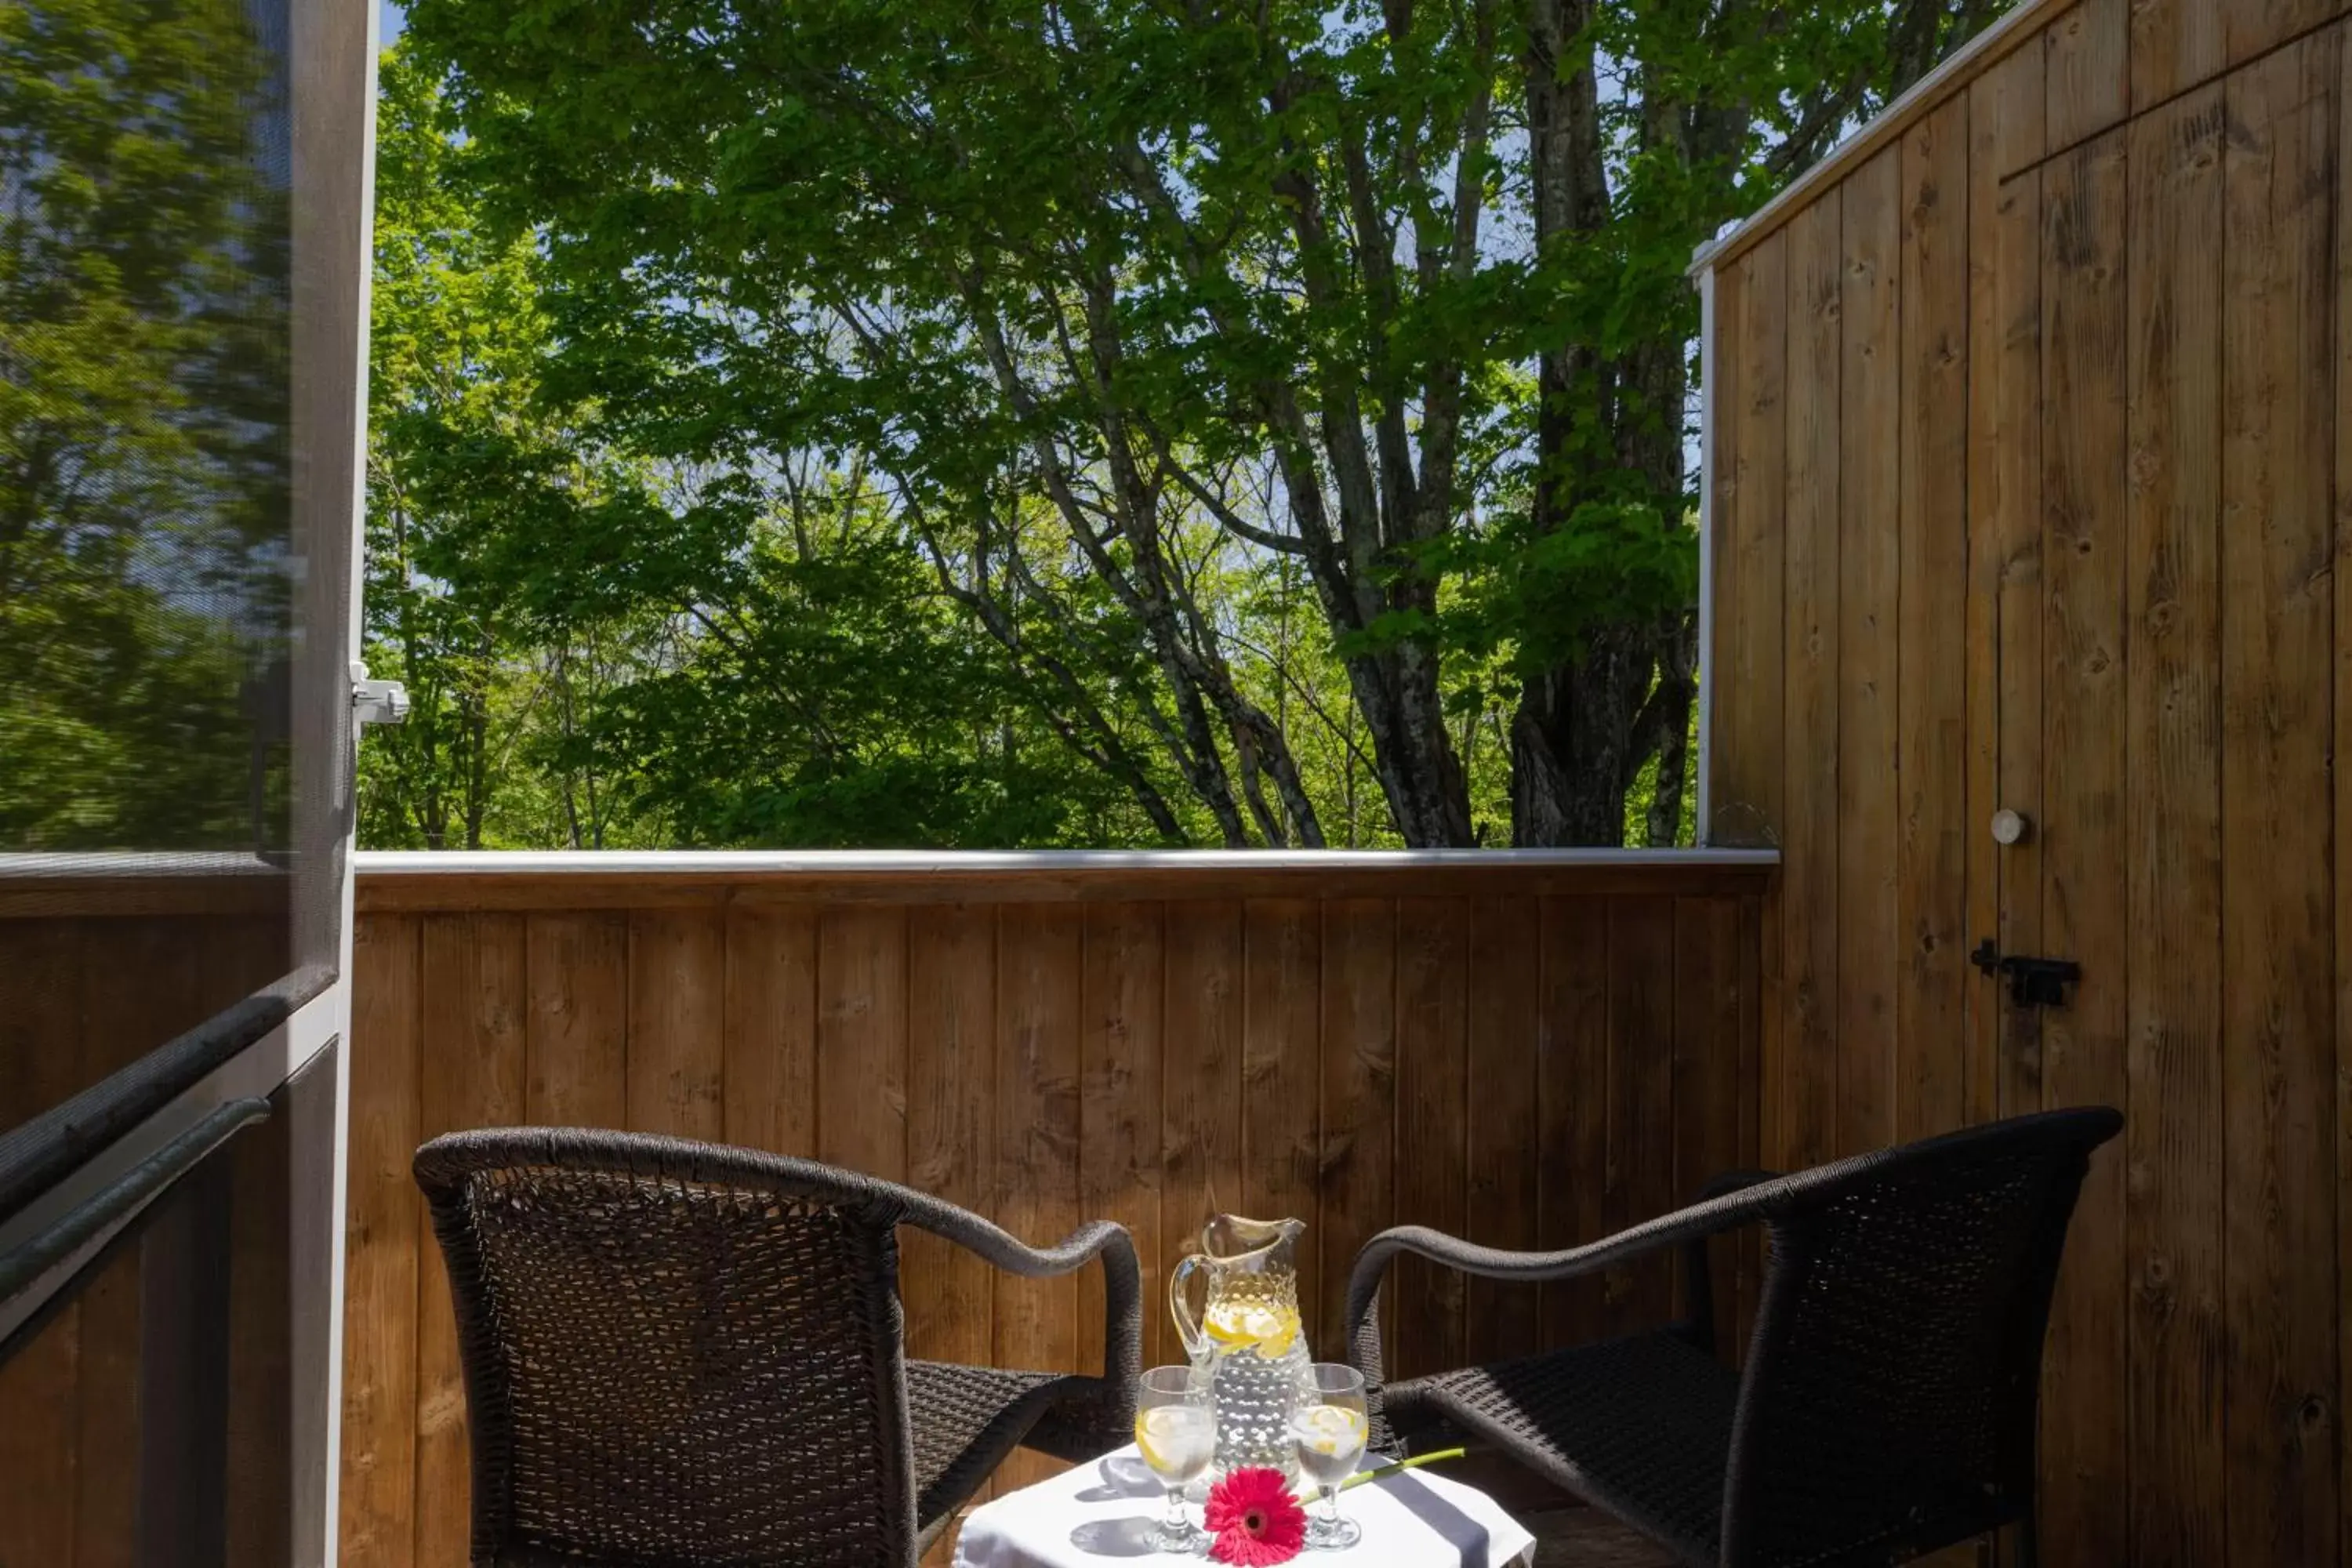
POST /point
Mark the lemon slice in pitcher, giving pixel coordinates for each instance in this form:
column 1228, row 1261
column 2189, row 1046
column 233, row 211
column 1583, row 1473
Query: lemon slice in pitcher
column 1267, row 1330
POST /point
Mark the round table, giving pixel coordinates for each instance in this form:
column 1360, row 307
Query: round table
column 1102, row 1513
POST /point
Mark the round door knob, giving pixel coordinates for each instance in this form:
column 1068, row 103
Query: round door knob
column 2007, row 827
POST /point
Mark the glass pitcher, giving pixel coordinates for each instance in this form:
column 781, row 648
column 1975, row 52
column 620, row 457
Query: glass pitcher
column 1245, row 1344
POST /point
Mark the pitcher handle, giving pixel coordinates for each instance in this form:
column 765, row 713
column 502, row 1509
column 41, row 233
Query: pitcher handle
column 1180, row 1307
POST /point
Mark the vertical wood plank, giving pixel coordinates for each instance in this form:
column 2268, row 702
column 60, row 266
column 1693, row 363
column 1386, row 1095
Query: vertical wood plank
column 861, row 1039
column 2005, row 507
column 1932, row 696
column 1040, row 954
column 2005, row 107
column 1572, row 1105
column 1806, row 1082
column 2277, row 908
column 2088, row 68
column 1121, row 995
column 1358, row 1171
column 2175, row 45
column 948, row 1292
column 1200, row 1081
column 1281, row 1071
column 2255, row 27
column 1751, row 542
column 1753, row 1012
column 2343, row 775
column 1870, row 611
column 1505, row 968
column 951, row 1122
column 769, row 1067
column 2172, row 1132
column 1432, row 1112
column 41, row 990
column 473, row 987
column 578, row 1023
column 1744, row 666
column 106, row 1425
column 381, row 1241
column 1705, row 1081
column 678, row 1012
column 1641, row 1170
column 178, row 961
column 2086, row 545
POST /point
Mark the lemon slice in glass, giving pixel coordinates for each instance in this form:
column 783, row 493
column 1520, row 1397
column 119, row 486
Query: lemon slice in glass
column 1159, row 1432
column 1330, row 1428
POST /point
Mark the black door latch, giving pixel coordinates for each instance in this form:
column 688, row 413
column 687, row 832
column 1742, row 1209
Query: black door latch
column 2032, row 981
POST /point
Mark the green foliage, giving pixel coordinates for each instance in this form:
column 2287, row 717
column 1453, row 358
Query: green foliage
column 144, row 474
column 1026, row 421
column 603, row 648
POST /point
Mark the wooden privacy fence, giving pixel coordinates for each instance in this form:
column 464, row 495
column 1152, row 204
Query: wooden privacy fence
column 1530, row 1050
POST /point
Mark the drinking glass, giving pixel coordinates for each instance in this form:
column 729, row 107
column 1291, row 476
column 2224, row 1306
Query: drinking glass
column 1177, row 1435
column 1328, row 1427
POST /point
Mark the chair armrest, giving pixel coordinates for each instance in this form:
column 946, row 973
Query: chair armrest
column 1690, row 1225
column 1698, row 1277
column 1106, row 1240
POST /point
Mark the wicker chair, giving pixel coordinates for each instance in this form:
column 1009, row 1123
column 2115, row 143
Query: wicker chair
column 1888, row 1405
column 690, row 1355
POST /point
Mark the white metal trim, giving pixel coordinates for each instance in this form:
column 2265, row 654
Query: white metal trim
column 1702, row 815
column 975, row 862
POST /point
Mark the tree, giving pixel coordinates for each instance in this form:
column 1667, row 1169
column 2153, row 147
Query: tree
column 1393, row 292
column 603, row 646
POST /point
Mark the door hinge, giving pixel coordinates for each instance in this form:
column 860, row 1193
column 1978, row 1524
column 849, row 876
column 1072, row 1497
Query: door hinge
column 2032, row 981
column 376, row 702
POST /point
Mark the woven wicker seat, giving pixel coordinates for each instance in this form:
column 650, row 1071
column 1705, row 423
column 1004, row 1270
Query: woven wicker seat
column 1887, row 1402
column 688, row 1355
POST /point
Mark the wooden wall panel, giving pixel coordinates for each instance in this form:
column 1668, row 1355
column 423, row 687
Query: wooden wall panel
column 1932, row 1069
column 2089, row 81
column 2086, row 545
column 2173, row 1137
column 1356, row 1183
column 1118, row 1105
column 676, row 1008
column 1040, row 955
column 1747, row 468
column 1433, row 1123
column 1870, row 611
column 1504, row 974
column 2145, row 660
column 768, row 1071
column 1641, row 1163
column 382, row 1247
column 471, row 1000
column 1572, row 1122
column 2277, row 907
column 1804, row 1082
column 1575, row 1060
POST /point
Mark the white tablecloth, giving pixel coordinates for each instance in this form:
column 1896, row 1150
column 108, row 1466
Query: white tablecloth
column 1091, row 1516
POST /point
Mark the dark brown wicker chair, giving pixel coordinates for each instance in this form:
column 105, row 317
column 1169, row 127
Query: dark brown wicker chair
column 1888, row 1401
column 688, row 1355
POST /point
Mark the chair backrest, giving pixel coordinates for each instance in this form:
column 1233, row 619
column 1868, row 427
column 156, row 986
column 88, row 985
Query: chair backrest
column 1890, row 1392
column 675, row 1354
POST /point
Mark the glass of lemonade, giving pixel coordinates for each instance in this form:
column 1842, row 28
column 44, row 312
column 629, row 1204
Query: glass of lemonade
column 1327, row 1428
column 1177, row 1435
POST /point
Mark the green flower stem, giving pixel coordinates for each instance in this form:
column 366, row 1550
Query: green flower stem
column 1360, row 1477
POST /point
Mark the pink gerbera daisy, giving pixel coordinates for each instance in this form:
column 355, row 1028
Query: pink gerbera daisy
column 1254, row 1519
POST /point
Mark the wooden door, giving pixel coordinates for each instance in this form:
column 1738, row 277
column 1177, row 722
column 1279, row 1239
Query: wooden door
column 2152, row 608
